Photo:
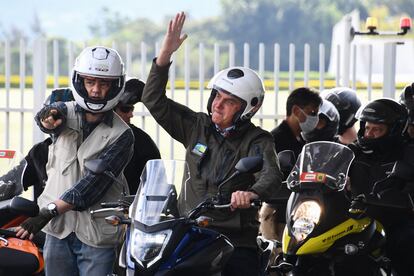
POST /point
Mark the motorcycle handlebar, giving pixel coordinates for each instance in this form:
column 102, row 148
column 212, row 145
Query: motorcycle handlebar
column 221, row 206
column 360, row 202
column 110, row 204
column 8, row 233
column 103, row 210
column 254, row 203
column 195, row 213
column 125, row 201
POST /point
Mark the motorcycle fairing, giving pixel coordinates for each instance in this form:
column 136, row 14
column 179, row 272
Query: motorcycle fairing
column 323, row 242
column 201, row 246
column 21, row 255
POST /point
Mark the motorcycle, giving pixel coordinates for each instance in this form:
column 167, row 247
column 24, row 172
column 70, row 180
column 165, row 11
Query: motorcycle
column 165, row 237
column 322, row 237
column 17, row 256
column 273, row 223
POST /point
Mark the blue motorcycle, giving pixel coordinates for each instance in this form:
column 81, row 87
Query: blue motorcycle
column 164, row 237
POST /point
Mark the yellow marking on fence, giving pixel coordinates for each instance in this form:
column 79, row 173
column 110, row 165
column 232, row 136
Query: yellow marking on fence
column 195, row 85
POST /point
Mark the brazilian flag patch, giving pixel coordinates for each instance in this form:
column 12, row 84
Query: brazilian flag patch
column 199, row 149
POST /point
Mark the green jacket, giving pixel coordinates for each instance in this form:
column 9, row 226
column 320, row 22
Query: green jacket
column 211, row 158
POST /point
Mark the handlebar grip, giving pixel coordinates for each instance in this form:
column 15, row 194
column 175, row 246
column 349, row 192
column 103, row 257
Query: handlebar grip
column 256, row 203
column 8, row 233
column 110, row 204
column 253, row 203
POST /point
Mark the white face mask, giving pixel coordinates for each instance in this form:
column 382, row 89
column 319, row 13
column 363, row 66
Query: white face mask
column 310, row 123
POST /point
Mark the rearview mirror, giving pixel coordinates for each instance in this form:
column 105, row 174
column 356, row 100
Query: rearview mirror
column 287, row 161
column 249, row 164
column 24, row 206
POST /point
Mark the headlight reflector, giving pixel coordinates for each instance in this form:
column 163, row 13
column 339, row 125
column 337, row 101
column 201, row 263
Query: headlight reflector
column 147, row 248
column 305, row 217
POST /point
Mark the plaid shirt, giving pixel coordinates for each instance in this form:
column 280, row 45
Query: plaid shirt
column 92, row 187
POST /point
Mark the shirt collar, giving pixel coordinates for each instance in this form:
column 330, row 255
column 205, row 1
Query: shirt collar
column 225, row 132
column 107, row 118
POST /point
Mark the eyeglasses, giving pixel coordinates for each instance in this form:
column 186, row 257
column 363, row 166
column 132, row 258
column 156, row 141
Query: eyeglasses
column 126, row 108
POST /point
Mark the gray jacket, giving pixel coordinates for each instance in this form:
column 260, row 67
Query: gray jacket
column 66, row 166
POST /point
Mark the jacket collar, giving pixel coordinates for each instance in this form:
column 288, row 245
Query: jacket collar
column 107, row 118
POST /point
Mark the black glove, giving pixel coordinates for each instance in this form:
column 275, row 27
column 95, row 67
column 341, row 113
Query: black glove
column 35, row 224
column 57, row 112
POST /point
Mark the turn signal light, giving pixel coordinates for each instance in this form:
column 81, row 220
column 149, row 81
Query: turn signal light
column 203, row 221
column 113, row 220
column 371, row 24
column 405, row 23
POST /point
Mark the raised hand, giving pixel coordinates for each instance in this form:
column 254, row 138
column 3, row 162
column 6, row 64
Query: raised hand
column 172, row 40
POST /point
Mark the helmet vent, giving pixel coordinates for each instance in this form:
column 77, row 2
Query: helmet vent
column 100, row 53
column 369, row 110
column 254, row 101
column 235, row 74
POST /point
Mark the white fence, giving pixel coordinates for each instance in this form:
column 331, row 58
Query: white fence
column 18, row 105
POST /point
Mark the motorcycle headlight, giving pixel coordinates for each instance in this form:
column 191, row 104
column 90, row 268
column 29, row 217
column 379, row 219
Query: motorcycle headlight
column 305, row 217
column 147, row 248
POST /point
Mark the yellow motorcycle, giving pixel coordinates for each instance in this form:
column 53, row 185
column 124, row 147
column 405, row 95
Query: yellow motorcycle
column 321, row 236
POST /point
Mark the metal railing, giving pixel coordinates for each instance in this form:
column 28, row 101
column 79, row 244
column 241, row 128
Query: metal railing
column 196, row 99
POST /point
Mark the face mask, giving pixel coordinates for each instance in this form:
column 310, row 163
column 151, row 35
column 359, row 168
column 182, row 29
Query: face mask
column 310, row 123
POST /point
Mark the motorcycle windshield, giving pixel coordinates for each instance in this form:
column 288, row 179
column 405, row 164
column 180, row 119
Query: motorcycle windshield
column 322, row 162
column 162, row 183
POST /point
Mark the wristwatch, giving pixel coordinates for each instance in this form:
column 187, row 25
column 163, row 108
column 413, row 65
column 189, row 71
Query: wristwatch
column 53, row 209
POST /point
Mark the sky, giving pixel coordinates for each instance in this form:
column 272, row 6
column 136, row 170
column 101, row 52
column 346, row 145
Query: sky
column 71, row 18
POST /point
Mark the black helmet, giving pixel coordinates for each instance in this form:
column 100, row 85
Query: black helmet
column 346, row 102
column 330, row 115
column 382, row 111
column 133, row 92
column 407, row 99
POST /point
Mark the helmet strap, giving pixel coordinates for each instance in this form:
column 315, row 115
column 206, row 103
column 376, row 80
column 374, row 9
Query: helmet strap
column 237, row 116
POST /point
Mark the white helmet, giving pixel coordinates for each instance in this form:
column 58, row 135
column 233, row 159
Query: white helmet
column 98, row 62
column 243, row 83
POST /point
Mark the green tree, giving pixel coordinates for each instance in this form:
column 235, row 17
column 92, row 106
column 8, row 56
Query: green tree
column 14, row 35
column 396, row 7
column 36, row 26
column 283, row 22
column 108, row 23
